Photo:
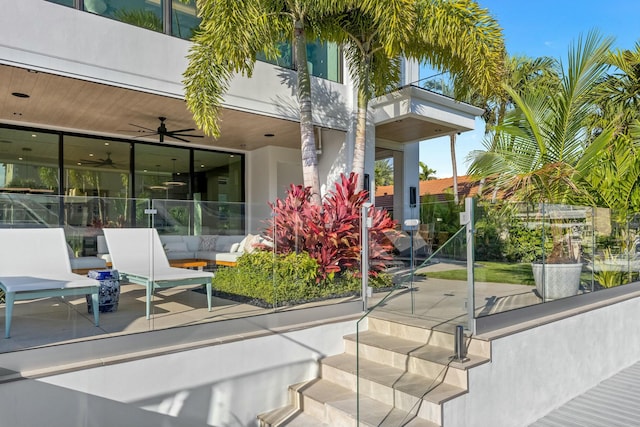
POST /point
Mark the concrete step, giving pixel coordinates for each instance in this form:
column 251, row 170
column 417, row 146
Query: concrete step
column 392, row 386
column 412, row 356
column 408, row 327
column 337, row 406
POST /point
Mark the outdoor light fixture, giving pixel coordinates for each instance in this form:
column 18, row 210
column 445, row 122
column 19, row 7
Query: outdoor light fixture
column 172, row 183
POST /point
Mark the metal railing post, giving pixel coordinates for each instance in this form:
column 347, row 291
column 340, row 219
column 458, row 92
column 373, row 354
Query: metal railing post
column 365, row 224
column 467, row 219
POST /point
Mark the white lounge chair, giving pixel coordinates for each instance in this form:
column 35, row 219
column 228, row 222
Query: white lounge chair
column 139, row 257
column 34, row 263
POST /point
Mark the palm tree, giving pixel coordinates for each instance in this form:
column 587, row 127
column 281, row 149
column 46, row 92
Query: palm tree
column 521, row 73
column 542, row 151
column 231, row 34
column 426, row 173
column 375, row 34
column 617, row 176
column 383, row 173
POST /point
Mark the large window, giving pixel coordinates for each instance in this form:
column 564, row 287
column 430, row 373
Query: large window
column 181, row 20
column 28, row 161
column 323, row 58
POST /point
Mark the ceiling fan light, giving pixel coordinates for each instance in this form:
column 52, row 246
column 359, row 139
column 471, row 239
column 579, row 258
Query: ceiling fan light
column 174, row 183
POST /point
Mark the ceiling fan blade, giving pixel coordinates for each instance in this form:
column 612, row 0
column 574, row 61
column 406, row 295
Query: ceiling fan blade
column 142, row 127
column 146, row 134
column 176, row 137
column 186, row 134
column 181, row 130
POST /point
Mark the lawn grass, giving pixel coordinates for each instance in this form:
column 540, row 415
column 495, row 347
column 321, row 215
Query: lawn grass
column 497, row 272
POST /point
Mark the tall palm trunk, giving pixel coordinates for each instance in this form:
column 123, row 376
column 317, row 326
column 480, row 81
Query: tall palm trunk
column 310, row 172
column 360, row 142
column 454, row 166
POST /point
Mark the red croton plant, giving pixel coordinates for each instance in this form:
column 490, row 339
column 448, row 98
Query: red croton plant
column 330, row 233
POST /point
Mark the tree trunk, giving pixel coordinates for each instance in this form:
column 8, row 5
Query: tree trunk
column 454, row 166
column 360, row 142
column 310, row 173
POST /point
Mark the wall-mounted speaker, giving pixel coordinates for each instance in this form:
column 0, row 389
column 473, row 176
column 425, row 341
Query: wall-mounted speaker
column 413, row 197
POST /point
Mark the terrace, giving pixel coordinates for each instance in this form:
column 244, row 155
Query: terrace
column 434, row 281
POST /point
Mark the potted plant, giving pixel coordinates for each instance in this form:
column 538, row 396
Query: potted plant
column 557, row 274
column 543, row 151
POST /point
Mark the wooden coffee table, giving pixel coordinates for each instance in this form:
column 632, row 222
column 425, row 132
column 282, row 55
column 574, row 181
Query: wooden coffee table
column 188, row 263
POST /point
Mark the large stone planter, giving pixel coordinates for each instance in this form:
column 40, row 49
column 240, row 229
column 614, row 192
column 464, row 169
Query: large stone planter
column 555, row 281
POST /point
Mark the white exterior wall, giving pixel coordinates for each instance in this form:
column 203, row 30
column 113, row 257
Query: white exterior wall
column 222, row 385
column 538, row 370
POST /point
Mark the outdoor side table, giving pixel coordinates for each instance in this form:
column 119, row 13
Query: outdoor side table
column 109, row 294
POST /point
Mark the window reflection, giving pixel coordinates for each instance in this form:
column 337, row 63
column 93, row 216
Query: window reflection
column 141, row 13
column 63, row 2
column 184, row 19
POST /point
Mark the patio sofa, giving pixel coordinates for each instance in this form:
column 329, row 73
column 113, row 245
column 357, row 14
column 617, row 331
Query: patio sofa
column 83, row 264
column 215, row 249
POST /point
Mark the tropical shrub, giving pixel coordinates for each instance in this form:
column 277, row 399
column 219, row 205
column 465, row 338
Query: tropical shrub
column 269, row 279
column 330, row 233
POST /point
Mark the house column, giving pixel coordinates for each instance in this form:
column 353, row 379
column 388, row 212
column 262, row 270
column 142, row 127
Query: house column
column 406, row 175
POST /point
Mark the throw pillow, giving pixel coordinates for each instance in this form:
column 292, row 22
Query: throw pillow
column 235, row 247
column 249, row 245
column 208, row 243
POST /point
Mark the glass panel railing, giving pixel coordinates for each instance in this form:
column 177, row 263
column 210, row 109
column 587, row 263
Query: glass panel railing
column 508, row 239
column 419, row 314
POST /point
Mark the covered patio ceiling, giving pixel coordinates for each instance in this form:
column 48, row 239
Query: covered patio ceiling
column 65, row 103
column 71, row 104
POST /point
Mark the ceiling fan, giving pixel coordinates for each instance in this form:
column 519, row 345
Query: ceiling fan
column 100, row 162
column 163, row 132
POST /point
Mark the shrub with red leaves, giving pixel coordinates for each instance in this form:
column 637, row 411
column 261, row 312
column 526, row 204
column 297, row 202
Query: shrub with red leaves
column 330, row 233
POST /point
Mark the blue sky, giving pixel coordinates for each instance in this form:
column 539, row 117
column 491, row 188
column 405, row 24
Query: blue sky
column 540, row 28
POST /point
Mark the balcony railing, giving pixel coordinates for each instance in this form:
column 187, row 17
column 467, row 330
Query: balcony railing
column 427, row 267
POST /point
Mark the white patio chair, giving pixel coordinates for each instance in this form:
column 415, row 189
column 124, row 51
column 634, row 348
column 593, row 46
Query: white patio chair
column 34, row 263
column 139, row 257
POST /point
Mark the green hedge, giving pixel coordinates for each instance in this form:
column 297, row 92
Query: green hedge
column 265, row 279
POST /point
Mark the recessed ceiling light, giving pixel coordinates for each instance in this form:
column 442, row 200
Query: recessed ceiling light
column 90, row 154
column 269, row 135
column 106, row 143
column 79, row 164
column 201, row 166
column 33, row 135
column 20, row 158
column 19, row 95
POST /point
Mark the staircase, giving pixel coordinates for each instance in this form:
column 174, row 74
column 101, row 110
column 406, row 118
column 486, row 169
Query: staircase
column 406, row 376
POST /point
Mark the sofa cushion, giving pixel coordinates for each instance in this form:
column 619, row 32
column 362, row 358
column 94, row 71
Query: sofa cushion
column 193, row 242
column 84, row 262
column 227, row 256
column 176, row 247
column 223, row 243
